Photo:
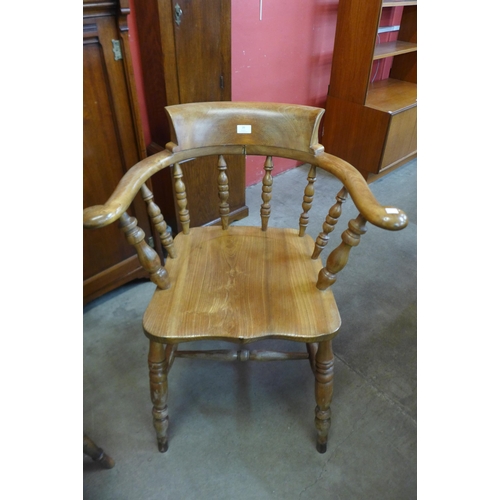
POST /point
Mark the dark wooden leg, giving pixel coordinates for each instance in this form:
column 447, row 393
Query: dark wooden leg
column 170, row 351
column 96, row 453
column 159, row 390
column 323, row 392
column 312, row 349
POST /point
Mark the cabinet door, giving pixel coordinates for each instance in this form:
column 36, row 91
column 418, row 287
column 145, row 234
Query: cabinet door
column 202, row 50
column 203, row 62
column 110, row 147
column 401, row 139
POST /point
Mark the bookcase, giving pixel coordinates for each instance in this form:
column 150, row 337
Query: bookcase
column 371, row 117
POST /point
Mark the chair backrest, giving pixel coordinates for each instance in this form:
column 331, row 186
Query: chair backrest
column 229, row 128
column 212, row 124
column 272, row 130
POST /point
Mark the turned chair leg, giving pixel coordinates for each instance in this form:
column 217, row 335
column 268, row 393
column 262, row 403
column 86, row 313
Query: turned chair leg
column 312, row 349
column 159, row 390
column 96, row 453
column 323, row 392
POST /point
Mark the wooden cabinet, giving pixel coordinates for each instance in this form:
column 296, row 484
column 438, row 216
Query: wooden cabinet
column 112, row 142
column 185, row 48
column 368, row 122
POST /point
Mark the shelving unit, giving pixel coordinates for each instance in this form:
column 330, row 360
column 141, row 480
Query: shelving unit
column 368, row 122
column 395, row 48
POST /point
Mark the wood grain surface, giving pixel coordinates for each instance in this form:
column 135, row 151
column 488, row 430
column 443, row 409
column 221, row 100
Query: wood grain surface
column 242, row 284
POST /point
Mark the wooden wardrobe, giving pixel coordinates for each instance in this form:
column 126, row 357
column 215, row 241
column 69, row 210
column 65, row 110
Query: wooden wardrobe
column 112, row 142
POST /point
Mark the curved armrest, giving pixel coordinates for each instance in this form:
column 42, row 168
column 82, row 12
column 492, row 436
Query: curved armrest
column 386, row 217
column 129, row 185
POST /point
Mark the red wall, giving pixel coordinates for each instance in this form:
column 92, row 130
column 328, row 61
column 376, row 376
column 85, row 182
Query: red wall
column 285, row 57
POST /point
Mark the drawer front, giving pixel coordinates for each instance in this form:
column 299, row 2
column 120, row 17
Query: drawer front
column 401, row 137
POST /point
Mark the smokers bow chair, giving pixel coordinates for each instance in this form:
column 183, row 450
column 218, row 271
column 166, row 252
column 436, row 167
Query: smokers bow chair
column 236, row 283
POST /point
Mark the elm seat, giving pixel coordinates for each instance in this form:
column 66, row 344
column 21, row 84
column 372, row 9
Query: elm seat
column 242, row 284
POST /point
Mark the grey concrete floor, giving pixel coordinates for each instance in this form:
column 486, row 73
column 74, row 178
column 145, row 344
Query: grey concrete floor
column 246, row 430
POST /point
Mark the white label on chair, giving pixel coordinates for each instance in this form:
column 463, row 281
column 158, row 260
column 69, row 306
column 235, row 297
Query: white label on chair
column 392, row 210
column 244, row 129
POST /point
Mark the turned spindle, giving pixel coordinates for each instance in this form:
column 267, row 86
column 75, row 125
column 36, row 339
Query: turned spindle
column 180, row 194
column 323, row 391
column 147, row 256
column 158, row 385
column 267, row 187
column 158, row 221
column 308, row 199
column 170, row 351
column 338, row 258
column 223, row 192
column 242, row 355
column 312, row 349
column 329, row 224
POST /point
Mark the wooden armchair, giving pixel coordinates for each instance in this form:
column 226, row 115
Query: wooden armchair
column 236, row 283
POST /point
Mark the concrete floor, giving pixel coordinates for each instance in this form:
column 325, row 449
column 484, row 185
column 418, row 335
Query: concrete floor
column 246, row 430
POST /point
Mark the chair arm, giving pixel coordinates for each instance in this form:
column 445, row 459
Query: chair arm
column 385, row 217
column 128, row 187
column 130, row 184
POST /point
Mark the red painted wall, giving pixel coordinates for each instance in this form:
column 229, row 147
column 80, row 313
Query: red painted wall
column 285, row 57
